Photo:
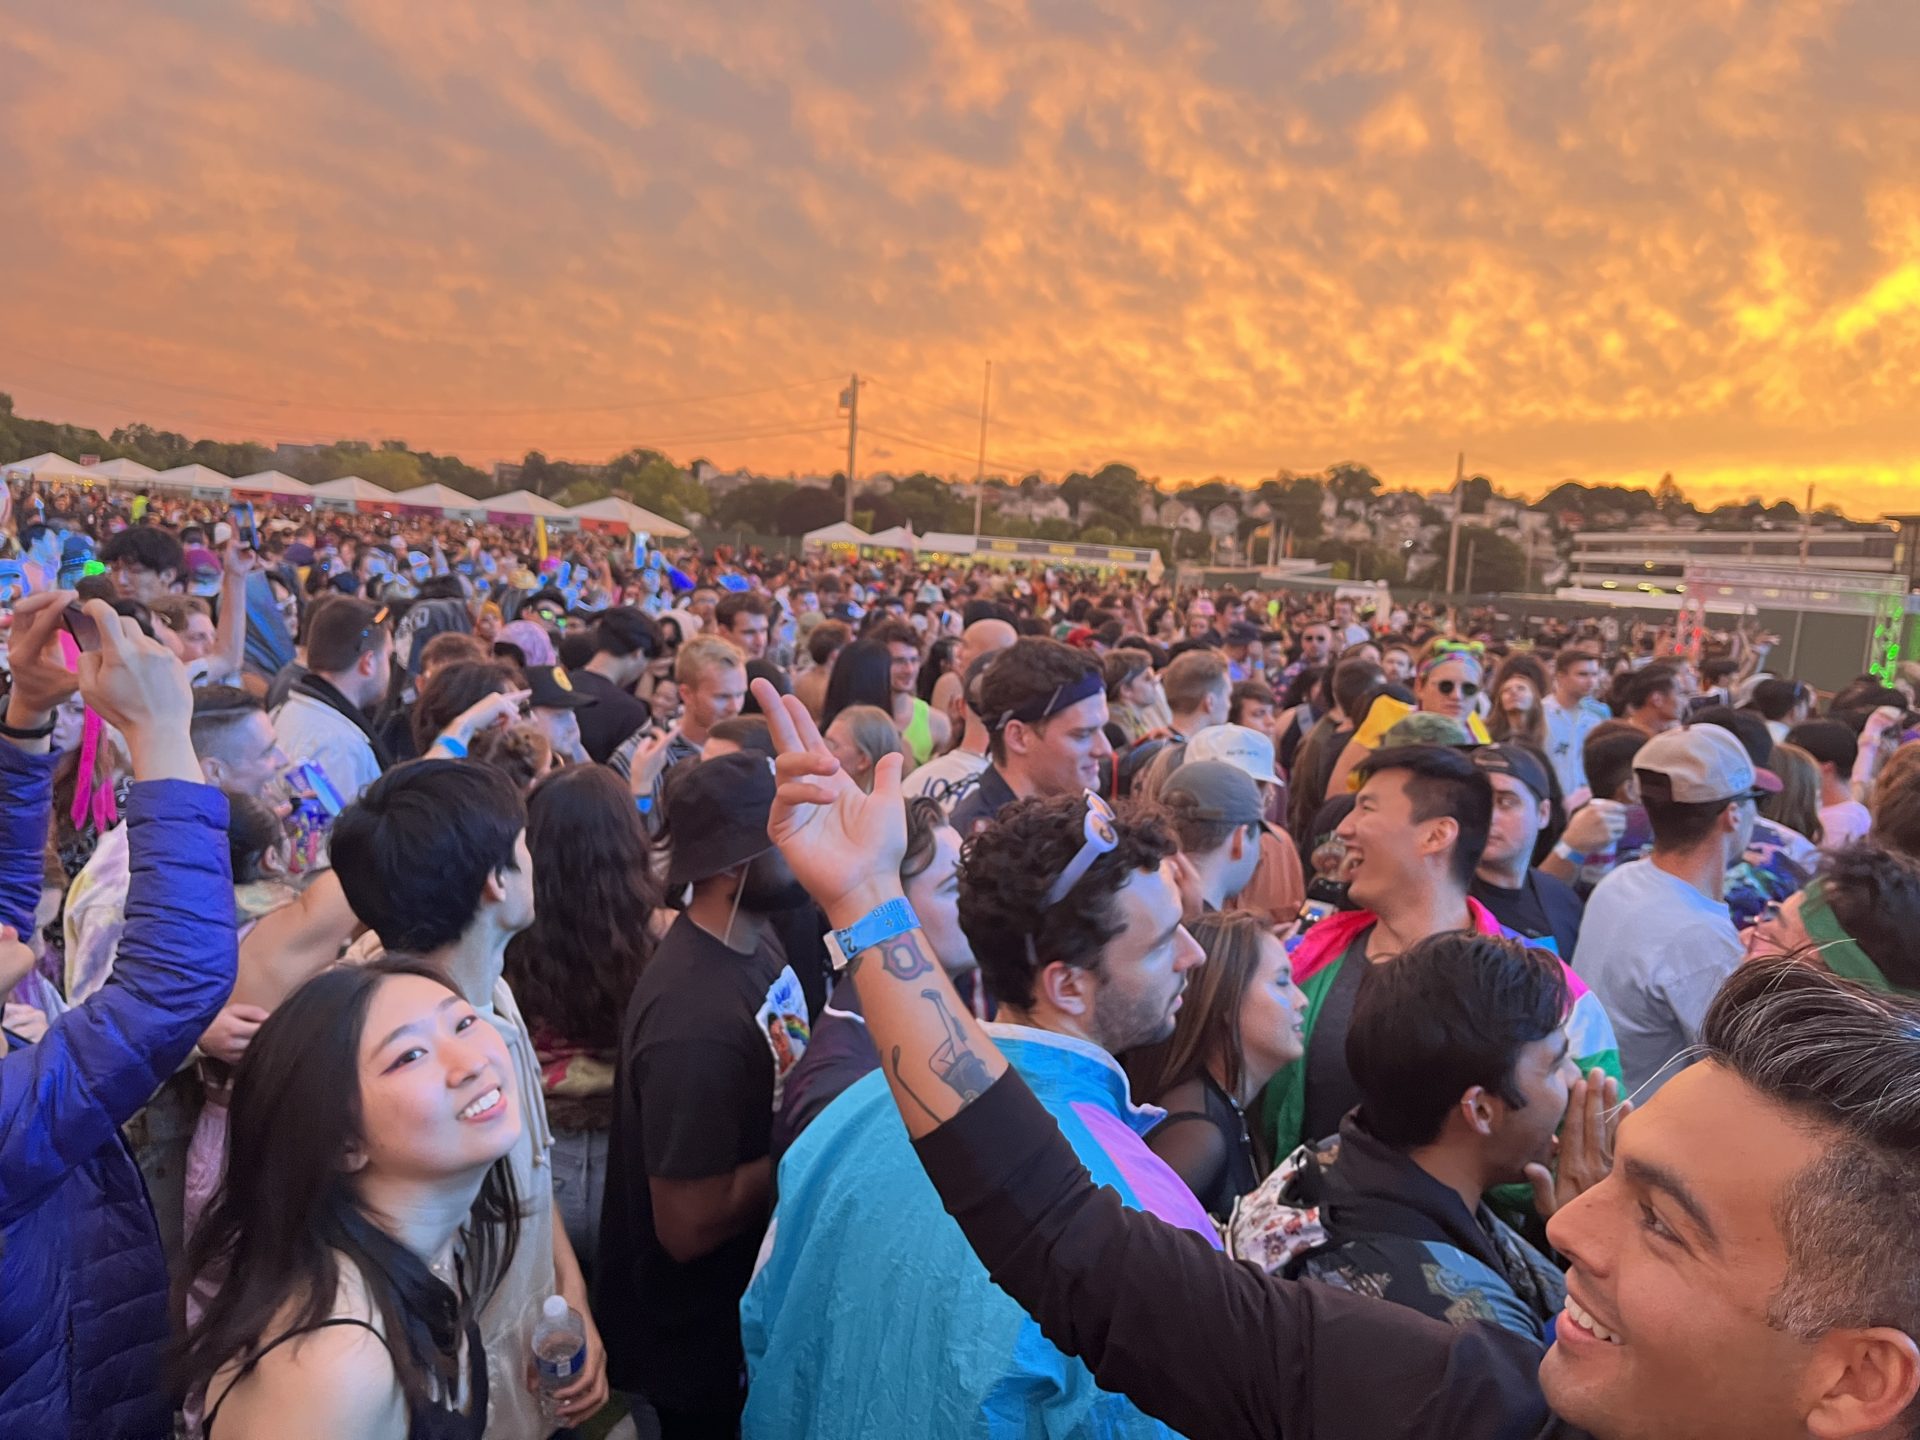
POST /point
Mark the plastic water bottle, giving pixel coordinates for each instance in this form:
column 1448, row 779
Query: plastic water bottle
column 559, row 1344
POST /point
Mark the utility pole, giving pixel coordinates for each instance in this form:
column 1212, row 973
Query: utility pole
column 850, row 397
column 1806, row 527
column 980, row 470
column 1453, row 537
column 1469, row 576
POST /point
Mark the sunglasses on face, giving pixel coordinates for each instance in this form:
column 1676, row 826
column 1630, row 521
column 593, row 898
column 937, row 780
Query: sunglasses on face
column 1467, row 688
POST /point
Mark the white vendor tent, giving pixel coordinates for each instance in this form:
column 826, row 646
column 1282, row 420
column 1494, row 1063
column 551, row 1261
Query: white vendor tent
column 205, row 482
column 525, row 502
column 125, row 471
column 47, row 466
column 274, row 483
column 895, row 537
column 838, row 533
column 438, row 497
column 616, row 512
column 352, row 490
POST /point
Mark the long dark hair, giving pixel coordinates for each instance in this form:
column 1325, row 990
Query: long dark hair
column 286, row 1214
column 939, row 660
column 574, row 968
column 1207, row 1029
column 862, row 675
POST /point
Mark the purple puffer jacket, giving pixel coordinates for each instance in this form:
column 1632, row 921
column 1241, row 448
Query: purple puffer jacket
column 83, row 1282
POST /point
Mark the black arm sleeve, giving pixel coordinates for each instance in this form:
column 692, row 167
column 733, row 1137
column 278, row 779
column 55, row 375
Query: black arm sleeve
column 1209, row 1345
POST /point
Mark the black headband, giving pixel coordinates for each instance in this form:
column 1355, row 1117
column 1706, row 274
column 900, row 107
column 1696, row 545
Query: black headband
column 1084, row 687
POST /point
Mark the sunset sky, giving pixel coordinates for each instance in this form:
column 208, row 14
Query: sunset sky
column 1597, row 239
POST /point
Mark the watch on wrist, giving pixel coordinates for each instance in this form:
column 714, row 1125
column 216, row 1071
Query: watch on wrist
column 876, row 927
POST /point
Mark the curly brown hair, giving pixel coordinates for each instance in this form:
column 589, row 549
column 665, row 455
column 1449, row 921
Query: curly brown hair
column 1006, row 871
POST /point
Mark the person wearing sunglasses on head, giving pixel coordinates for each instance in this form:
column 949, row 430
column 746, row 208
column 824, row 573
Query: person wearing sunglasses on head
column 1740, row 1271
column 1074, row 916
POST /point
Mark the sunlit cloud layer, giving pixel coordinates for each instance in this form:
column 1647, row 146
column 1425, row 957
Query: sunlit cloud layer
column 1599, row 239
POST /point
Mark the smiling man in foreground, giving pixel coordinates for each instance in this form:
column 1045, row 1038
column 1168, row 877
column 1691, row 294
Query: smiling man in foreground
column 1751, row 1267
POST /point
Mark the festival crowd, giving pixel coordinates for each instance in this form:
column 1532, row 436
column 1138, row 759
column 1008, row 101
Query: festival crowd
column 465, row 982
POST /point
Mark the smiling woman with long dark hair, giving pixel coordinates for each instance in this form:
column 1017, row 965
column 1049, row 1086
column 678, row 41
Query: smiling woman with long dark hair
column 371, row 1119
column 574, row 969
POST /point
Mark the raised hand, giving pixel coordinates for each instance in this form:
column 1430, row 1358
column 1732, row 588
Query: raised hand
column 1583, row 1156
column 843, row 844
column 134, row 683
column 497, row 709
column 41, row 679
column 648, row 760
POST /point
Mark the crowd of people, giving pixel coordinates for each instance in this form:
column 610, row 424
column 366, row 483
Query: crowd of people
column 465, row 982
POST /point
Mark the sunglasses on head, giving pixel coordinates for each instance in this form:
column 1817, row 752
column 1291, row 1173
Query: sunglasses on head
column 1101, row 839
column 1467, row 688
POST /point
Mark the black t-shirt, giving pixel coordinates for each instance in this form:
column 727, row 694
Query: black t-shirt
column 614, row 715
column 708, row 1037
column 1331, row 1089
column 1543, row 907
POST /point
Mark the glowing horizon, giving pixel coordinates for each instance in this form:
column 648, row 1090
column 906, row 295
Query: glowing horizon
column 1598, row 240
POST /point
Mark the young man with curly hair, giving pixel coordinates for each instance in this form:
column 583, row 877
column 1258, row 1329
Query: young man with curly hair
column 1075, row 922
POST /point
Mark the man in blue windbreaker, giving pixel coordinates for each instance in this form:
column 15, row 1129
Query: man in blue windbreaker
column 1077, row 930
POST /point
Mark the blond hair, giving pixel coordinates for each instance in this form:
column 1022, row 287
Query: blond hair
column 704, row 654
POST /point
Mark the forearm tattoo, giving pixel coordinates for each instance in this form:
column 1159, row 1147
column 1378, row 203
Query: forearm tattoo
column 954, row 1063
column 903, row 959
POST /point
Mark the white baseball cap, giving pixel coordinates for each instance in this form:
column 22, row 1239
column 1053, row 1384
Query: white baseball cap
column 1246, row 749
column 1700, row 765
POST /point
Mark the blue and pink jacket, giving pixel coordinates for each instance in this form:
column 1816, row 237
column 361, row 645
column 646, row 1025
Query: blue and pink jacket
column 863, row 1262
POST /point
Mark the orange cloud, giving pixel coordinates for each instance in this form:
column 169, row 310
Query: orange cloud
column 1603, row 240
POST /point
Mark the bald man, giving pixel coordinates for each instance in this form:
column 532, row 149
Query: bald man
column 947, row 777
column 982, row 637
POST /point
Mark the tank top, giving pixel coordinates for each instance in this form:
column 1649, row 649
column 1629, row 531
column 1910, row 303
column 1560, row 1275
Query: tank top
column 427, row 1422
column 919, row 732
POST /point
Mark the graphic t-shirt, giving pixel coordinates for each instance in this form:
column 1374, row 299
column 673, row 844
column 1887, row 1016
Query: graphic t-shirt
column 709, row 1039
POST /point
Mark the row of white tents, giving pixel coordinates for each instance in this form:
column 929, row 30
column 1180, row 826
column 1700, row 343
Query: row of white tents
column 843, row 532
column 352, row 493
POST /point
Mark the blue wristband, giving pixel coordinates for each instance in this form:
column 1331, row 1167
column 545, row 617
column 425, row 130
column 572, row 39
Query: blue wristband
column 457, row 748
column 643, row 803
column 876, row 927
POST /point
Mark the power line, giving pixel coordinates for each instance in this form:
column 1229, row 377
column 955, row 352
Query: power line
column 925, row 399
column 422, row 411
column 936, row 448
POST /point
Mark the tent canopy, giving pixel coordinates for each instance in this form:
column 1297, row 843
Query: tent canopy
column 274, row 483
column 352, row 487
column 947, row 542
column 525, row 502
column 124, row 470
column 49, row 466
column 838, row 533
column 895, row 537
column 194, row 475
column 438, row 497
column 619, row 511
